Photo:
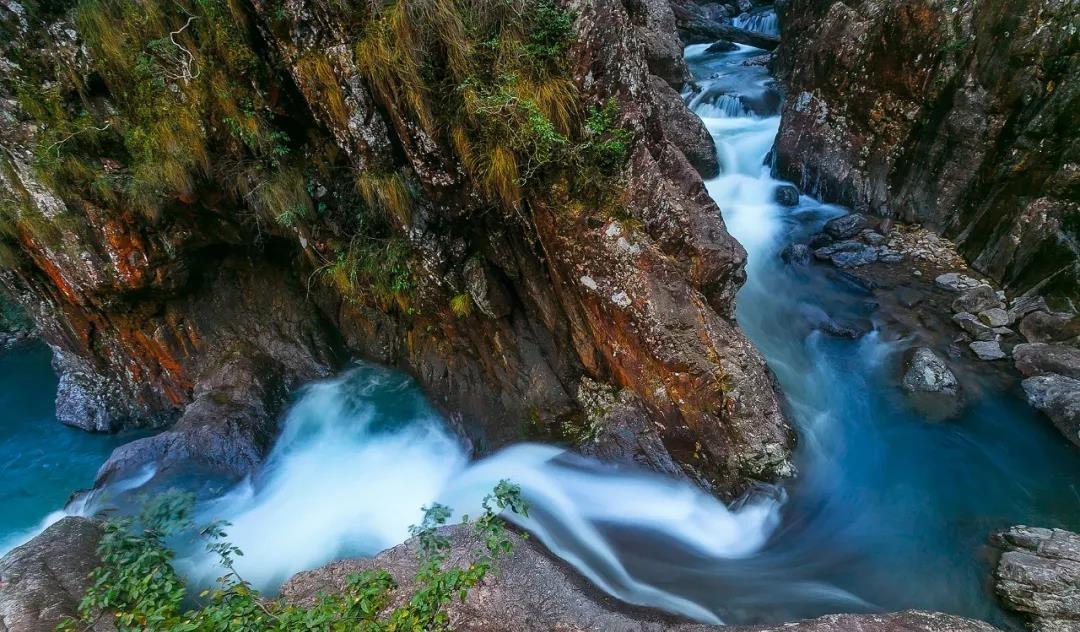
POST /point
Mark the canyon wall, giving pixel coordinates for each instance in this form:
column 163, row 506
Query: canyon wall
column 206, row 204
column 961, row 115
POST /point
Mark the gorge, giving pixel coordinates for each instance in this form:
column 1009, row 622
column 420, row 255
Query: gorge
column 631, row 328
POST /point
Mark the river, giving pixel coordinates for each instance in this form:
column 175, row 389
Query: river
column 890, row 510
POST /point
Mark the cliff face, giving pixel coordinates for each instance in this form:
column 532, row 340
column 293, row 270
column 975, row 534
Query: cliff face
column 208, row 203
column 960, row 115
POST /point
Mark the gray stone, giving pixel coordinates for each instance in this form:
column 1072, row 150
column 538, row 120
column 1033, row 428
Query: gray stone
column 1038, row 575
column 1023, row 305
column 486, row 290
column 927, row 372
column 786, row 195
column 976, row 299
column 995, row 317
column 975, row 328
column 956, row 282
column 1058, row 397
column 42, row 581
column 845, row 226
column 987, row 350
column 847, row 254
column 722, row 46
column 1037, row 358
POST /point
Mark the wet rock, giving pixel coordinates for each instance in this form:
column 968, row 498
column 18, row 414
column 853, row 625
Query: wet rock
column 987, row 350
column 977, row 299
column 994, row 317
column 663, row 52
column 926, row 372
column 722, row 46
column 1050, row 327
column 685, row 129
column 845, row 226
column 1036, row 358
column 1038, row 575
column 1058, row 397
column 819, row 240
column 531, row 591
column 43, row 581
column 796, row 254
column 974, row 327
column 786, row 195
column 956, row 282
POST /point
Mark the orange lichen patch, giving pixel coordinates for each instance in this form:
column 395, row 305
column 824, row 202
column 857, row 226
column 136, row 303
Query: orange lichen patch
column 52, row 271
column 127, row 252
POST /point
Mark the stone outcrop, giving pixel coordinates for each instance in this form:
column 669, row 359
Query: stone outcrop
column 202, row 314
column 43, row 581
column 530, row 590
column 961, row 116
column 1038, row 575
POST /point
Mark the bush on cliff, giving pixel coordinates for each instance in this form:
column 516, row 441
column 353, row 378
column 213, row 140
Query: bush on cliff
column 139, row 589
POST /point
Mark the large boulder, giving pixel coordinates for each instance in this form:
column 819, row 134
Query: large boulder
column 43, row 581
column 685, row 129
column 530, row 590
column 845, row 226
column 1058, row 397
column 977, row 299
column 1039, row 575
column 926, row 372
column 1041, row 326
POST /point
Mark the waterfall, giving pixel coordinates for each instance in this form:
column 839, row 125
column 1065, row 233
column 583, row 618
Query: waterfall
column 760, row 22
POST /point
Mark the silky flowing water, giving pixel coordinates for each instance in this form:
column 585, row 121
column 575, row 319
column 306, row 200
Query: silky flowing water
column 890, row 510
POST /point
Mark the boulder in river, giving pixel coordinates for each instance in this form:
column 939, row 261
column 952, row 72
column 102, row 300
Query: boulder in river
column 1038, row 358
column 786, row 195
column 845, row 226
column 1038, row 575
column 1058, row 397
column 973, row 326
column 43, row 581
column 977, row 299
column 530, row 590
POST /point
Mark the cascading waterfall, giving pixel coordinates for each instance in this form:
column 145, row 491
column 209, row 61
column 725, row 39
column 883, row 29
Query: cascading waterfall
column 761, row 22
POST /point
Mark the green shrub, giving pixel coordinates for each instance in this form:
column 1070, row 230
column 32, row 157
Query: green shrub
column 137, row 586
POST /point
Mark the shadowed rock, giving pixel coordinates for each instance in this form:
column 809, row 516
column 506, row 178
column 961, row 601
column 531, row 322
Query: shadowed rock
column 1039, row 575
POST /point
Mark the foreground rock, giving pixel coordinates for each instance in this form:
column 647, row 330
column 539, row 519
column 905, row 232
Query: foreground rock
column 530, row 590
column 1039, row 358
column 930, row 383
column 43, row 581
column 1039, row 575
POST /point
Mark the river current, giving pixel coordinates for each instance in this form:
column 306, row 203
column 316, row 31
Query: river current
column 890, row 510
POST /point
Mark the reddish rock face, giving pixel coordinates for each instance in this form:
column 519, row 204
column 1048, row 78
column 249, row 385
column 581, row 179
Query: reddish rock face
column 958, row 115
column 200, row 315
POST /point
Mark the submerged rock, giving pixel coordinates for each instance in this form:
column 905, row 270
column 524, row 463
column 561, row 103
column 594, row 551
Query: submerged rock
column 796, row 254
column 1038, row 575
column 43, row 581
column 529, row 590
column 1058, row 397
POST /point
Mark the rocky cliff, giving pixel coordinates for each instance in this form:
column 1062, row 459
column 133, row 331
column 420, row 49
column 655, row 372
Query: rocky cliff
column 207, row 203
column 960, row 115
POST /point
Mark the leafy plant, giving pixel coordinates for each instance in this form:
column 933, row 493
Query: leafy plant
column 137, row 586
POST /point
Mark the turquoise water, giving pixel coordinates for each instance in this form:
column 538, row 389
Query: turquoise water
column 42, row 461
